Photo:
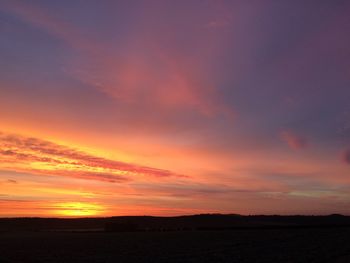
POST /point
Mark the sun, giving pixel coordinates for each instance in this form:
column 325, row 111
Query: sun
column 78, row 209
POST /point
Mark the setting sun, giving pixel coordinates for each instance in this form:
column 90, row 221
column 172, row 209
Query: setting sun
column 78, row 209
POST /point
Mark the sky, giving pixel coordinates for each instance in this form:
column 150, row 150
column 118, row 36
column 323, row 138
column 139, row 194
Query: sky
column 160, row 107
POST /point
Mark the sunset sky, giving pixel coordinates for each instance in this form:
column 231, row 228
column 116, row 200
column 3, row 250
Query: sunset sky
column 160, row 107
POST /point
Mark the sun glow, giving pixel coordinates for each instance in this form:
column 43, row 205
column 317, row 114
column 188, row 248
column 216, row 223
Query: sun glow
column 78, row 209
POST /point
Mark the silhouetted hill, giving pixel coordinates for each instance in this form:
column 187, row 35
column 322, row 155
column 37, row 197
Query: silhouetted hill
column 179, row 223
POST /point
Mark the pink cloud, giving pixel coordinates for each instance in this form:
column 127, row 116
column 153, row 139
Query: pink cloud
column 157, row 78
column 346, row 156
column 149, row 73
column 294, row 141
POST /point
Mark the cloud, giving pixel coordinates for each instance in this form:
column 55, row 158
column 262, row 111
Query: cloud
column 153, row 78
column 219, row 23
column 44, row 157
column 12, row 181
column 346, row 156
column 39, row 18
column 148, row 75
column 294, row 141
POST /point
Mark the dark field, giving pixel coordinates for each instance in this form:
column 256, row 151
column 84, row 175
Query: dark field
column 247, row 245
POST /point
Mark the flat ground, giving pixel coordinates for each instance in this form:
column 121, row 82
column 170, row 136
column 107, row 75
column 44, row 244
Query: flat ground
column 279, row 245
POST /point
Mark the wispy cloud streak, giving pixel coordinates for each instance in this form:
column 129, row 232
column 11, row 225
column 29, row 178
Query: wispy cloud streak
column 44, row 157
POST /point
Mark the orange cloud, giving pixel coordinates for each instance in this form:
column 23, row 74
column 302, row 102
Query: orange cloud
column 46, row 208
column 44, row 157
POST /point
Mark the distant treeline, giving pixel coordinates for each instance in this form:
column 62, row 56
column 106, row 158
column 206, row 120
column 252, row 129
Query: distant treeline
column 179, row 223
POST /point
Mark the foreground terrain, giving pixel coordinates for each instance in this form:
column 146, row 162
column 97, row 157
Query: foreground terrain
column 240, row 245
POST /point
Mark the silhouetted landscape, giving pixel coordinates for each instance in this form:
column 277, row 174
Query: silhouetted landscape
column 197, row 238
column 179, row 223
